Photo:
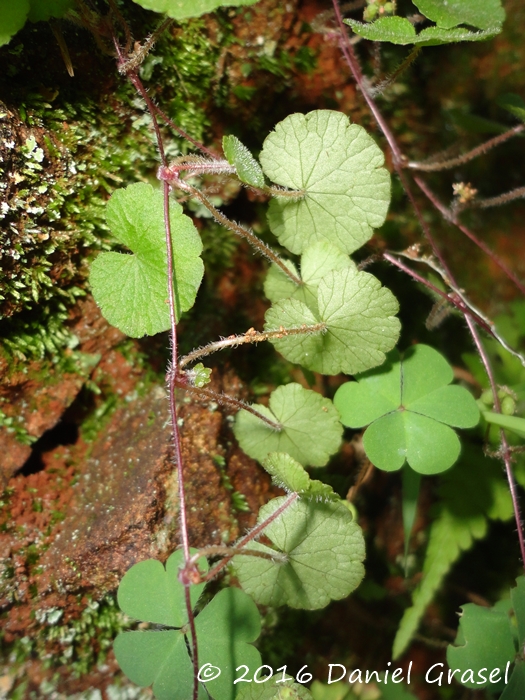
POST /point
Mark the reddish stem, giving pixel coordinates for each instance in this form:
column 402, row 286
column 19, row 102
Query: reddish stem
column 504, row 443
column 450, row 216
column 135, row 80
column 257, row 530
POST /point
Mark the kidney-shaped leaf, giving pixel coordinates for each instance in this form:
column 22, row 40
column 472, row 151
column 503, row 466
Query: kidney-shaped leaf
column 359, row 321
column 324, row 551
column 409, row 422
column 183, row 9
column 338, row 170
column 248, row 169
column 293, row 410
column 483, row 15
column 153, row 593
column 398, row 30
column 316, row 262
column 132, row 290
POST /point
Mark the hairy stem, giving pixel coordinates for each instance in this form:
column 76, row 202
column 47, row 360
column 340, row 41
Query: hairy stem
column 239, row 230
column 255, row 532
column 518, row 193
column 466, row 157
column 390, row 79
column 452, row 218
column 251, row 336
column 225, row 400
column 217, row 550
column 505, row 450
column 133, row 77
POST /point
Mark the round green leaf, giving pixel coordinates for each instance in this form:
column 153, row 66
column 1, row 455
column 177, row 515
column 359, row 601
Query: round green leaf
column 316, row 262
column 325, row 552
column 183, row 9
column 13, row 15
column 484, row 641
column 132, row 290
column 360, row 324
column 338, row 169
column 295, row 409
column 398, row 30
column 248, row 169
column 153, row 593
column 483, row 15
column 158, row 658
column 225, row 629
column 42, row 10
column 288, row 474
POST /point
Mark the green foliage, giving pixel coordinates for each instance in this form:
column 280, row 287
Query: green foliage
column 358, row 320
column 482, row 15
column 513, row 423
column 317, row 555
column 488, row 641
column 15, row 13
column 409, row 407
column 289, row 475
column 247, row 168
column 294, row 410
column 42, row 10
column 132, row 289
column 183, row 9
column 225, row 628
column 513, row 104
column 399, row 30
column 317, row 261
column 274, row 689
column 13, row 16
column 334, row 166
column 458, row 522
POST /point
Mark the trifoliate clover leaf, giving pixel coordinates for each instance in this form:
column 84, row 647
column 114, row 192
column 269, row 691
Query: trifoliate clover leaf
column 316, row 262
column 132, row 290
column 513, row 104
column 398, row 30
column 42, row 10
column 324, row 551
column 225, row 628
column 337, row 169
column 482, row 15
column 409, row 407
column 484, row 642
column 183, row 9
column 293, row 410
column 359, row 324
column 291, row 476
column 248, row 169
column 274, row 689
column 13, row 16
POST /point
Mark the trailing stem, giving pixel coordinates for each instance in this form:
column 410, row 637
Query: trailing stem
column 399, row 162
column 186, row 579
column 505, row 451
column 252, row 535
column 255, row 242
column 251, row 336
